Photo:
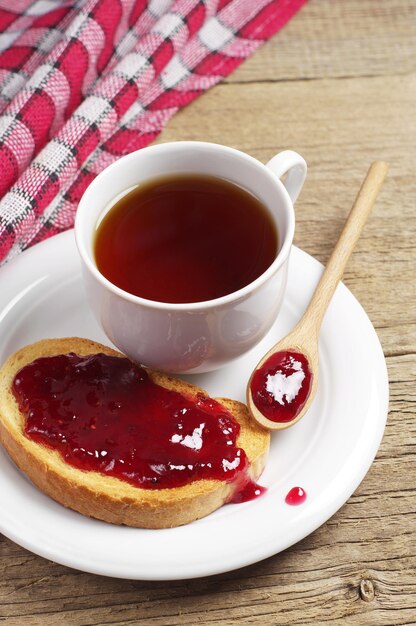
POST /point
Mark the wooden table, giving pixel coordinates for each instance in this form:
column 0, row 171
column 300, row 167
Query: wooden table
column 338, row 85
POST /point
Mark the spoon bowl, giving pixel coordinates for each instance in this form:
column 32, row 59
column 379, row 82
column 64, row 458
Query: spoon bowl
column 294, row 343
column 284, row 382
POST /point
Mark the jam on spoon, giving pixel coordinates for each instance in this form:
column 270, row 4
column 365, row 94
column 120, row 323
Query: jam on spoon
column 104, row 413
column 281, row 385
column 284, row 382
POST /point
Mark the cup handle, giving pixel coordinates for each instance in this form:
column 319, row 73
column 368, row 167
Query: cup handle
column 292, row 164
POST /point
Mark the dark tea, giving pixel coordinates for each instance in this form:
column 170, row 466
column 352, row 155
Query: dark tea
column 185, row 238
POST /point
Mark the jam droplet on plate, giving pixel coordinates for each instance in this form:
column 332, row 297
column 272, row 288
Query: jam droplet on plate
column 296, row 496
column 105, row 414
column 281, row 386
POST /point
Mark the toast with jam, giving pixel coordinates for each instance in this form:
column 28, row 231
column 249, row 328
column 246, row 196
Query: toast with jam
column 123, row 443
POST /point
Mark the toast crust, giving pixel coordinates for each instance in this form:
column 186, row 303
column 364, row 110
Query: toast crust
column 106, row 497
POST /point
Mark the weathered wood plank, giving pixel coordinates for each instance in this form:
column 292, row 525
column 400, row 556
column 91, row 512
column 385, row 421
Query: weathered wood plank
column 334, row 38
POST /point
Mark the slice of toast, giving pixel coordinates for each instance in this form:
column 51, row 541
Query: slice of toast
column 106, row 497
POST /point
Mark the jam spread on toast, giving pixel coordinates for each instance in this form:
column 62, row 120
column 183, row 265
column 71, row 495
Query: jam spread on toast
column 281, row 386
column 105, row 414
column 250, row 491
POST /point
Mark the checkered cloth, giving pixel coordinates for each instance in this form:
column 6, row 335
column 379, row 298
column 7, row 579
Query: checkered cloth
column 83, row 82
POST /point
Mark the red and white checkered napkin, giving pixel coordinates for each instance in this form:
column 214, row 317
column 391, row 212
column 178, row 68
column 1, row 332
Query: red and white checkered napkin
column 83, row 82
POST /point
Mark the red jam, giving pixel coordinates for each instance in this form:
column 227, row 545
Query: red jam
column 296, row 496
column 105, row 414
column 249, row 492
column 281, row 386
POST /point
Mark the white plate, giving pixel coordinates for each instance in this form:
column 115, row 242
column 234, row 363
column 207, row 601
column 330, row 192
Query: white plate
column 328, row 453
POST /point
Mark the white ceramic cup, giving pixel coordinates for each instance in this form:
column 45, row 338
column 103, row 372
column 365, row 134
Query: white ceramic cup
column 200, row 336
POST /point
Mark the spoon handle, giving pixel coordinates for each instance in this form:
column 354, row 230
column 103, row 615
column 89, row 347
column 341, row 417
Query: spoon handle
column 341, row 253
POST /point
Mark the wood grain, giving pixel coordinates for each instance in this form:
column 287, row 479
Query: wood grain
column 338, row 85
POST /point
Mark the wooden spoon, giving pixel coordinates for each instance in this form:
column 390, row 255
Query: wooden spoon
column 304, row 337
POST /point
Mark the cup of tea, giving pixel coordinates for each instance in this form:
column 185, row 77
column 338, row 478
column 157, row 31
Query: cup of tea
column 184, row 249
